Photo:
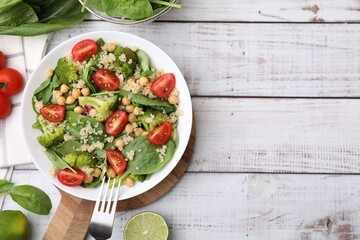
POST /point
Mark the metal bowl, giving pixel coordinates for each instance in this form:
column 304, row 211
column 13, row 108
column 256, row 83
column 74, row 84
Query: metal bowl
column 123, row 21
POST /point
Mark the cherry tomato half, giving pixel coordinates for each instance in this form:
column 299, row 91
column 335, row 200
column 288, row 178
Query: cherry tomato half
column 106, row 80
column 117, row 161
column 2, row 60
column 84, row 50
column 53, row 112
column 116, row 123
column 163, row 85
column 5, row 106
column 11, row 81
column 69, row 178
column 161, row 134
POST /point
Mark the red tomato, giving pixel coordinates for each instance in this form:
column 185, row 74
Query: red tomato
column 11, row 81
column 116, row 123
column 163, row 85
column 5, row 106
column 69, row 178
column 117, row 161
column 106, row 80
column 84, row 50
column 53, row 112
column 161, row 134
column 2, row 60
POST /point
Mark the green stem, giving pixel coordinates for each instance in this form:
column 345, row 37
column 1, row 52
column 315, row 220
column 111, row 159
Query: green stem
column 166, row 3
column 83, row 6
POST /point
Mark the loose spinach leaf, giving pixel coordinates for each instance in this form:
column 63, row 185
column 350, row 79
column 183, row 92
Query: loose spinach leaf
column 21, row 13
column 154, row 103
column 146, row 159
column 45, row 91
column 8, row 4
column 53, row 15
column 32, row 199
column 5, row 186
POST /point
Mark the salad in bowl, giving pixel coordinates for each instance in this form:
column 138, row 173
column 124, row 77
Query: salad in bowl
column 106, row 104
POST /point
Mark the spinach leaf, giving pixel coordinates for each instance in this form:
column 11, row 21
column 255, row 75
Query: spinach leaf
column 19, row 14
column 68, row 147
column 76, row 122
column 154, row 103
column 56, row 160
column 146, row 158
column 8, row 4
column 52, row 15
column 5, row 186
column 145, row 62
column 45, row 91
column 32, row 199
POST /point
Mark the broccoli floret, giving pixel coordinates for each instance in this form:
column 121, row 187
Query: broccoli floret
column 80, row 159
column 53, row 134
column 104, row 106
column 126, row 61
column 66, row 71
column 150, row 119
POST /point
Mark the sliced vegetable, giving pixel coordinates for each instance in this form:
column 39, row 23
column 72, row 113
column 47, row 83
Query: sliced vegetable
column 106, row 80
column 116, row 123
column 53, row 112
column 161, row 134
column 69, row 178
column 84, row 50
column 163, row 85
column 116, row 160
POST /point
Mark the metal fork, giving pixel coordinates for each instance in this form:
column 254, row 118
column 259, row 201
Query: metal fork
column 102, row 219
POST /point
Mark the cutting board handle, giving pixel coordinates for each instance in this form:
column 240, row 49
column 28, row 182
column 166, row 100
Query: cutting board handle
column 71, row 219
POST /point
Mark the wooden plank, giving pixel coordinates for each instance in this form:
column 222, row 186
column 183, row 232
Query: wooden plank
column 276, row 135
column 293, row 60
column 265, row 11
column 239, row 206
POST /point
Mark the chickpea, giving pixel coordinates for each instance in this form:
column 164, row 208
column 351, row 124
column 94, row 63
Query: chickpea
column 49, row 73
column 92, row 112
column 70, row 100
column 144, row 133
column 64, row 88
column 79, row 109
column 120, row 144
column 76, row 93
column 129, row 182
column 173, row 100
column 96, row 172
column 58, row 94
column 137, row 111
column 89, row 178
column 111, row 47
column 129, row 128
column 143, row 81
column 125, row 101
column 61, row 100
column 130, row 81
column 132, row 117
column 138, row 131
column 85, row 91
column 110, row 173
column 129, row 108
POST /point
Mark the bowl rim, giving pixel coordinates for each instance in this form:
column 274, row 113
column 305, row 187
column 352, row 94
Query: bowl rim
column 38, row 76
column 127, row 21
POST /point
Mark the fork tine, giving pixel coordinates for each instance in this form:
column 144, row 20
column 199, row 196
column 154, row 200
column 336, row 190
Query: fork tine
column 104, row 197
column 99, row 195
column 115, row 200
column 109, row 201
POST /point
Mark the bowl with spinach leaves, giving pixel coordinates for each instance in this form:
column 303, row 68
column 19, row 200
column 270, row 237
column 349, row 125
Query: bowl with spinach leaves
column 129, row 12
column 123, row 111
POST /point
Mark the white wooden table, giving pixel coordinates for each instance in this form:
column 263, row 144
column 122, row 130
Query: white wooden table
column 275, row 87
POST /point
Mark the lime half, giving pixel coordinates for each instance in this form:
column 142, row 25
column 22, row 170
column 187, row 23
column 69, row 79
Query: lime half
column 146, row 226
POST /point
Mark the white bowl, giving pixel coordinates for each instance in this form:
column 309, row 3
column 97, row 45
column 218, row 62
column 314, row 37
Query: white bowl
column 159, row 59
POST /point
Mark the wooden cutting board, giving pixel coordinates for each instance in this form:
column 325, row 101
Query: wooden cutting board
column 72, row 217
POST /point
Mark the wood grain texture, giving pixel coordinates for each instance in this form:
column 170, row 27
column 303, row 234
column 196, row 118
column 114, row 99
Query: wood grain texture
column 276, row 135
column 223, row 59
column 265, row 11
column 240, row 206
